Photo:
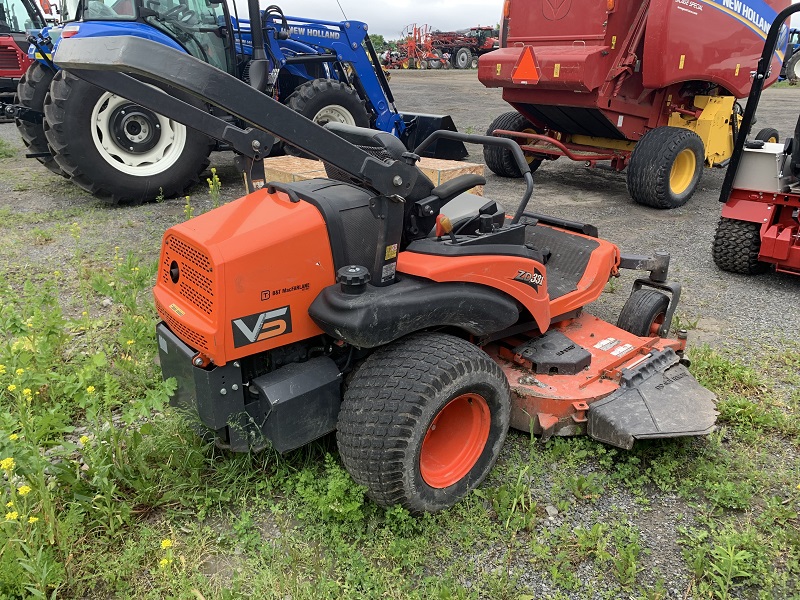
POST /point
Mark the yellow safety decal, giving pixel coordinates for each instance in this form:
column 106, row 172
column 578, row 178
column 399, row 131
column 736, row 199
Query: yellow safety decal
column 556, row 69
column 174, row 308
column 683, row 59
column 497, row 68
column 613, row 42
column 391, row 252
column 738, row 66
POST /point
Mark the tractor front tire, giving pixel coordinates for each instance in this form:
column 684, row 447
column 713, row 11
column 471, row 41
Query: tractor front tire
column 768, row 134
column 462, row 58
column 423, row 421
column 736, row 247
column 117, row 150
column 665, row 167
column 500, row 160
column 643, row 313
column 327, row 100
column 31, row 91
column 793, row 69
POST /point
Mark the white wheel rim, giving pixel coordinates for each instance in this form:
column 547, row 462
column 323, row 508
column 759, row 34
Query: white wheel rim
column 334, row 112
column 156, row 160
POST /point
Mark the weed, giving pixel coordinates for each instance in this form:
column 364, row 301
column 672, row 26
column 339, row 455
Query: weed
column 683, row 321
column 188, row 209
column 513, row 503
column 586, row 487
column 214, row 187
column 7, row 150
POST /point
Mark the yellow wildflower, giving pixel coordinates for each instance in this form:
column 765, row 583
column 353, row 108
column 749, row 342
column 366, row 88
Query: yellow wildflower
column 7, row 464
column 11, row 387
column 130, row 342
column 13, row 437
column 12, row 516
column 32, row 520
column 166, row 544
column 164, row 562
column 30, row 324
column 2, row 369
column 26, row 391
column 90, row 389
column 84, row 439
column 9, row 504
column 19, row 371
column 57, row 273
column 24, row 490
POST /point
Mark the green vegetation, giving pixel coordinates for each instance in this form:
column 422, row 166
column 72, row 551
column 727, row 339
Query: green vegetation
column 109, row 493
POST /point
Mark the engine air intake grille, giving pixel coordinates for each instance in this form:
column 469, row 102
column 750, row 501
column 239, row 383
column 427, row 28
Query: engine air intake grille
column 195, row 282
column 9, row 59
column 196, row 340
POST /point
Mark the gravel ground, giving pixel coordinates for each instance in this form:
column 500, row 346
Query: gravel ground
column 739, row 314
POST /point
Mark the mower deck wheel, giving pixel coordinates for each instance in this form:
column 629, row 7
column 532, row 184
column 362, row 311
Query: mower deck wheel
column 736, row 247
column 423, row 421
column 665, row 167
column 501, row 160
column 768, row 134
column 643, row 313
column 31, row 90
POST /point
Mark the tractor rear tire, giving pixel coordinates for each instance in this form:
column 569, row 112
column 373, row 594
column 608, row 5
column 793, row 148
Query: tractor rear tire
column 643, row 313
column 462, row 58
column 117, row 150
column 736, row 247
column 501, row 160
column 31, row 91
column 423, row 421
column 768, row 134
column 665, row 167
column 793, row 69
column 326, row 100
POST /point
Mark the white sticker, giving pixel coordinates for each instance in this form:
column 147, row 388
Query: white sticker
column 619, row 121
column 388, row 271
column 606, row 344
column 163, row 344
column 623, row 350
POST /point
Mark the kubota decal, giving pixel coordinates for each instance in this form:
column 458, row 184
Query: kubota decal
column 534, row 279
column 261, row 326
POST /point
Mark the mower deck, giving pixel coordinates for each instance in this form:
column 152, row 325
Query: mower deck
column 588, row 376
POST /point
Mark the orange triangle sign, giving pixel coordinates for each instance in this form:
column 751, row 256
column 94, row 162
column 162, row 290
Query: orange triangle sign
column 525, row 70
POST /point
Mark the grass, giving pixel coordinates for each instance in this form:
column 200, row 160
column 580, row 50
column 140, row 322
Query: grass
column 109, row 493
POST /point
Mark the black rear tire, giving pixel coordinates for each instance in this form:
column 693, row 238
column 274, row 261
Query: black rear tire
column 736, row 247
column 793, row 68
column 387, row 430
column 501, row 160
column 85, row 127
column 31, row 91
column 643, row 313
column 768, row 134
column 462, row 58
column 326, row 100
column 665, row 167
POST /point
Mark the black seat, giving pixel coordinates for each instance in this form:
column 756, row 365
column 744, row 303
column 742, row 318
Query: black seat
column 794, row 162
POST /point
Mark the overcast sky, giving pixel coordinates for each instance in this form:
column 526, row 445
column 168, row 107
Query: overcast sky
column 389, row 17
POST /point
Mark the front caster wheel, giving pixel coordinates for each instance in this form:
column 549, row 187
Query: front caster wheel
column 423, row 421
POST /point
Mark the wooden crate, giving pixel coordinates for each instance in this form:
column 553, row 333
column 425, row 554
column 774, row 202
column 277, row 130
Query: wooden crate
column 286, row 169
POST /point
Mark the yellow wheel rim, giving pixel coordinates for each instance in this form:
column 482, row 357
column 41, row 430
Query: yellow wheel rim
column 682, row 173
column 772, row 140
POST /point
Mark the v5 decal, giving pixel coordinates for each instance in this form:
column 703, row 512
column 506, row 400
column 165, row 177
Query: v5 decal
column 261, row 326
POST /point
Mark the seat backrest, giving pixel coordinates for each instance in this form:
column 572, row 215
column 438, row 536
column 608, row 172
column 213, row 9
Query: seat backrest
column 794, row 162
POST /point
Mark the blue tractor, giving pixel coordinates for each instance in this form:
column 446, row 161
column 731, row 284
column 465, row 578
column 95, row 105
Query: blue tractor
column 122, row 152
column 791, row 61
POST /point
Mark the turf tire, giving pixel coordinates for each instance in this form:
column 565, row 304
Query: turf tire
column 392, row 400
column 768, row 134
column 68, row 110
column 651, row 164
column 500, row 160
column 31, row 91
column 736, row 247
column 643, row 310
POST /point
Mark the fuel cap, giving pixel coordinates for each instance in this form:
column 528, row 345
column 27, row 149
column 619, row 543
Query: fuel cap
column 353, row 279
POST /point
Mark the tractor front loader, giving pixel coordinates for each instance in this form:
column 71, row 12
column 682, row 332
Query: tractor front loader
column 416, row 321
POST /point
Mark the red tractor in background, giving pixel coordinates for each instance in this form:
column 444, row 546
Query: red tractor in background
column 422, row 48
column 650, row 85
column 17, row 19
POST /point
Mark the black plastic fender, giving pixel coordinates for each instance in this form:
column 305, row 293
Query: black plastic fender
column 380, row 315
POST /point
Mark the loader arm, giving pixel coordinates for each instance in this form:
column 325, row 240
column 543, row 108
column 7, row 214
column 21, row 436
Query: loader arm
column 111, row 63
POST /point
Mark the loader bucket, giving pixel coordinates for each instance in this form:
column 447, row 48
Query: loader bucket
column 419, row 126
column 658, row 398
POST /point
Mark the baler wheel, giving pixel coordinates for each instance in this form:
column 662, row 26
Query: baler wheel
column 117, row 150
column 665, row 167
column 423, row 421
column 768, row 134
column 793, row 69
column 324, row 101
column 643, row 313
column 500, row 160
column 31, row 90
column 736, row 247
column 463, row 58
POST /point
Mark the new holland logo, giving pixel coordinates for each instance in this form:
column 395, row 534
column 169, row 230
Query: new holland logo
column 555, row 10
column 261, row 326
column 534, row 279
